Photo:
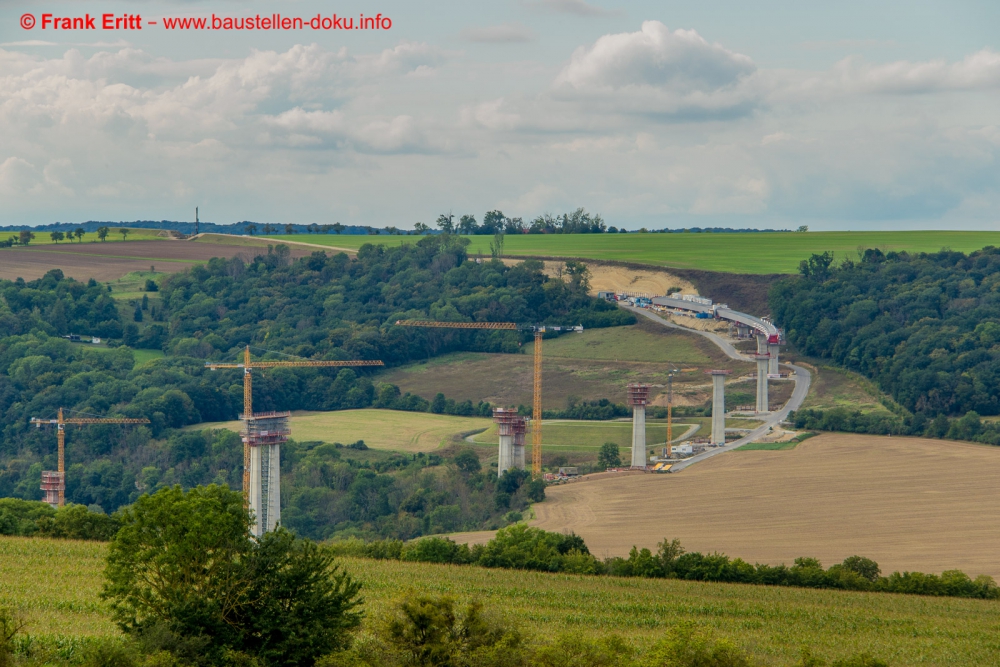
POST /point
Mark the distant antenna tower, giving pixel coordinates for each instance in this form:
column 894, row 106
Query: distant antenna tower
column 197, row 225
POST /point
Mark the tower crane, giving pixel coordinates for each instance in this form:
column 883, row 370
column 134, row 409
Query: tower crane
column 539, row 331
column 255, row 480
column 57, row 484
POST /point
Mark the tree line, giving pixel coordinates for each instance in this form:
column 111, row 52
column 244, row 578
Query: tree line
column 520, row 547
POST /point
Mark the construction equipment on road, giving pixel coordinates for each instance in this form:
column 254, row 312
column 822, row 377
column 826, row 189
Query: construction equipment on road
column 262, row 475
column 539, row 331
column 54, row 481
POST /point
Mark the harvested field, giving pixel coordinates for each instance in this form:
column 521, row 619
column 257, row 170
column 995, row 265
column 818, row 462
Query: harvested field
column 108, row 261
column 908, row 503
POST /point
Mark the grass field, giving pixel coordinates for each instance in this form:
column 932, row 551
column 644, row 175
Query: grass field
column 838, row 388
column 595, row 364
column 56, row 584
column 731, row 253
column 380, row 429
column 632, row 343
column 908, row 503
column 134, row 234
column 588, row 436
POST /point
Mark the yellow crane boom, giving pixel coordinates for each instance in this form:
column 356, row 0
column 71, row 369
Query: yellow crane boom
column 248, row 364
column 539, row 331
column 60, row 423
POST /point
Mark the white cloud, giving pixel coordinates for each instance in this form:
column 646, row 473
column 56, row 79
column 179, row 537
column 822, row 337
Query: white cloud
column 978, row 71
column 658, row 71
column 504, row 33
column 656, row 57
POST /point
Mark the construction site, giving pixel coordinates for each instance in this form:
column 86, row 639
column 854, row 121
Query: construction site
column 658, row 450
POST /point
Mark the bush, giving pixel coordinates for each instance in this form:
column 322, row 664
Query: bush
column 183, row 567
column 687, row 647
column 609, row 456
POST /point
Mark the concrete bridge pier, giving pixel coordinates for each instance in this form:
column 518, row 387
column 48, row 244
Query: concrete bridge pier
column 761, row 343
column 772, row 351
column 505, row 419
column 638, row 397
column 762, row 370
column 718, row 436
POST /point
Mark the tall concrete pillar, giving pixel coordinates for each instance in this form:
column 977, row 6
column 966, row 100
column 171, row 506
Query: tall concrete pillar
column 273, row 486
column 256, row 492
column 762, row 401
column 520, row 428
column 505, row 419
column 638, row 397
column 718, row 406
column 761, row 344
column 772, row 351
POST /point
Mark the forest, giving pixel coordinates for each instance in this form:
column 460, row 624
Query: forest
column 924, row 327
column 318, row 307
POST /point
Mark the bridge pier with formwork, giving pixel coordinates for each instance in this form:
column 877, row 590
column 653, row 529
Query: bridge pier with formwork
column 762, row 369
column 264, row 432
column 638, row 398
column 506, row 420
column 520, row 428
column 718, row 436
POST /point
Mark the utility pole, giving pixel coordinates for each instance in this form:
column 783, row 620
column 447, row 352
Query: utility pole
column 197, row 223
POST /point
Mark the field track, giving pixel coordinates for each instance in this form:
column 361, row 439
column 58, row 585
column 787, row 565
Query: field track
column 908, row 503
column 108, row 261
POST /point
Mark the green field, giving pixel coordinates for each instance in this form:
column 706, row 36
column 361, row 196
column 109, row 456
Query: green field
column 587, row 436
column 132, row 285
column 631, row 343
column 730, row 253
column 55, row 583
column 380, row 429
column 43, row 238
column 838, row 388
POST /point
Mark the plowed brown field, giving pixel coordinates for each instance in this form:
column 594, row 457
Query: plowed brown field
column 908, row 503
column 108, row 261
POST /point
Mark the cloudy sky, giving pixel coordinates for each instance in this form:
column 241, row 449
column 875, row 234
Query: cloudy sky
column 871, row 114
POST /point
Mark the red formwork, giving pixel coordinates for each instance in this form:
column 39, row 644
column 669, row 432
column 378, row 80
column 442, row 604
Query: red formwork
column 638, row 394
column 266, row 428
column 520, row 428
column 505, row 419
column 52, row 483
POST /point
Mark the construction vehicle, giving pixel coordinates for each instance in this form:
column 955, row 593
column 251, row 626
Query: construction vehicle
column 261, row 478
column 54, row 482
column 539, row 331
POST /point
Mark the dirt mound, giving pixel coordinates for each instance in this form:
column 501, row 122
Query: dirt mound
column 612, row 278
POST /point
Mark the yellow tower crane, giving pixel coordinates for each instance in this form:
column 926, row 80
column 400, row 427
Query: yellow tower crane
column 539, row 331
column 246, row 365
column 60, row 423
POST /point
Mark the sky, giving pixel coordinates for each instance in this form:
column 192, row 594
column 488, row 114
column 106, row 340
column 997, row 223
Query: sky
column 853, row 115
